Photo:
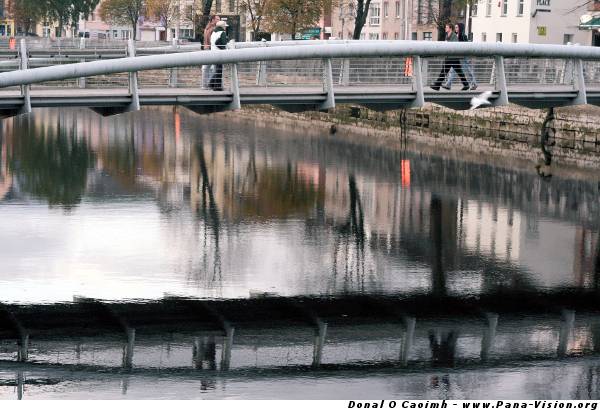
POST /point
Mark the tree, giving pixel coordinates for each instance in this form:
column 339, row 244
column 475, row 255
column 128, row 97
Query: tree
column 362, row 10
column 66, row 12
column 440, row 12
column 293, row 16
column 256, row 9
column 203, row 20
column 63, row 12
column 165, row 11
column 26, row 13
column 126, row 12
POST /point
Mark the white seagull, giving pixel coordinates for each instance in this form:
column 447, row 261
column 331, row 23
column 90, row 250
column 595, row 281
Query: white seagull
column 481, row 99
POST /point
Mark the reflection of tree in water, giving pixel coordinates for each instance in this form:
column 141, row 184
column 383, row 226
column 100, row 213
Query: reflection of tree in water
column 349, row 244
column 52, row 166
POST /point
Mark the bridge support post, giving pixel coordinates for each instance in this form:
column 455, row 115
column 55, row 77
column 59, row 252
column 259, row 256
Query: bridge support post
column 567, row 323
column 26, row 108
column 407, row 339
column 235, row 89
column 133, row 81
column 128, row 349
column 320, row 334
column 579, row 82
column 328, row 85
column 419, row 100
column 487, row 342
column 23, row 343
column 227, row 345
column 501, row 84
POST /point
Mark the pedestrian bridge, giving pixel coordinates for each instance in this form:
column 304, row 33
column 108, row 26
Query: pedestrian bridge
column 295, row 76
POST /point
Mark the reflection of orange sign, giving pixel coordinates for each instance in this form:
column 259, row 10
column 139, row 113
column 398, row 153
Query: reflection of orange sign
column 405, row 170
column 12, row 43
column 408, row 67
column 177, row 126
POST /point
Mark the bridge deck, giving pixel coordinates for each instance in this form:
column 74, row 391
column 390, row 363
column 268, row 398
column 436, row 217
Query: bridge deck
column 376, row 96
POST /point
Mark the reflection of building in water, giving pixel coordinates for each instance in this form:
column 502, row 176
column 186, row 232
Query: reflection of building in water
column 490, row 230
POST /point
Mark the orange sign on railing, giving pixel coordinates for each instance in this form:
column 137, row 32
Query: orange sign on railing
column 408, row 67
column 12, row 43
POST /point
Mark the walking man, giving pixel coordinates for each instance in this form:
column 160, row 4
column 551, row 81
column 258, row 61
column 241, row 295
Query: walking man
column 451, row 62
column 459, row 29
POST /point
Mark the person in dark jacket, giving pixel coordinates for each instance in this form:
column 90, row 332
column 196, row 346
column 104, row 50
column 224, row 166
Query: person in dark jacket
column 218, row 41
column 451, row 63
column 459, row 29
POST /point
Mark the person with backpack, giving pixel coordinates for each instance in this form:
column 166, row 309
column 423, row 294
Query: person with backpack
column 218, row 41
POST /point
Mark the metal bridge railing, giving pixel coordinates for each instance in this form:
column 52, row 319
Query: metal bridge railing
column 327, row 66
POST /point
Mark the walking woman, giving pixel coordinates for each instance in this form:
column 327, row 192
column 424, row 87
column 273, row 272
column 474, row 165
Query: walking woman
column 451, row 63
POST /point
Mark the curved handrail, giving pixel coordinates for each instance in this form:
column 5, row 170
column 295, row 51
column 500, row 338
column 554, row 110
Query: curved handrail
column 320, row 51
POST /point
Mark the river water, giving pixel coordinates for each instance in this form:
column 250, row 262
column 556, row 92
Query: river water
column 168, row 204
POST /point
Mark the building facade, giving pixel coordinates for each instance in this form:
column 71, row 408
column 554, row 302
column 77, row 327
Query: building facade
column 528, row 21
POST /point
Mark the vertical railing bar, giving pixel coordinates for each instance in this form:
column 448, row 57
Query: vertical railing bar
column 235, row 89
column 579, row 79
column 25, row 89
column 133, row 81
column 328, row 85
column 500, row 82
column 417, row 71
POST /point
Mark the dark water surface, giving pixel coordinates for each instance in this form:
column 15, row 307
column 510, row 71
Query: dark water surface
column 166, row 205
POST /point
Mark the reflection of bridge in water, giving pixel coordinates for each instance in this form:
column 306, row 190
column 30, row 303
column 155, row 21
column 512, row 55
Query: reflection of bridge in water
column 341, row 332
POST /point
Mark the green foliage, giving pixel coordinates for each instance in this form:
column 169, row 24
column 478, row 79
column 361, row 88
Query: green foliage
column 62, row 12
column 293, row 16
column 125, row 12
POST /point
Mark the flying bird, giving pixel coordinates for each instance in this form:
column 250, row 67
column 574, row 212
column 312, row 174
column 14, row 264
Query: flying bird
column 481, row 99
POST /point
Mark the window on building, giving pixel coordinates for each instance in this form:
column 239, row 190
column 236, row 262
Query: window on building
column 568, row 38
column 413, row 36
column 396, row 36
column 474, row 9
column 186, row 33
column 218, row 6
column 504, row 7
column 499, row 37
column 232, row 6
column 514, row 37
column 384, row 36
column 420, row 12
column 398, row 9
column 483, row 37
column 488, row 8
column 521, row 7
column 427, row 36
column 374, row 13
column 373, row 36
column 385, row 9
column 125, row 34
column 115, row 34
column 362, row 36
